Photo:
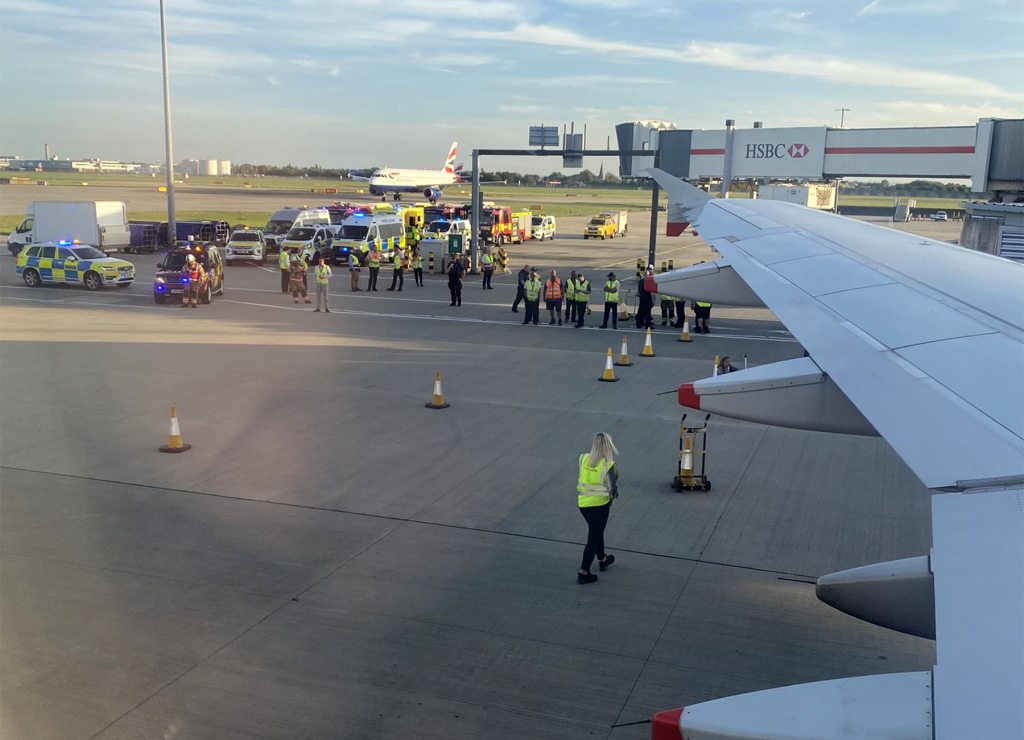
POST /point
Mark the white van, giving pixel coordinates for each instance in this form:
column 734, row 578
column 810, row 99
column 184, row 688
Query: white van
column 359, row 231
column 441, row 228
column 286, row 219
column 309, row 241
column 543, row 227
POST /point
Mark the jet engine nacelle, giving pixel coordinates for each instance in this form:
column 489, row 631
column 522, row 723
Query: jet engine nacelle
column 374, row 191
column 431, row 193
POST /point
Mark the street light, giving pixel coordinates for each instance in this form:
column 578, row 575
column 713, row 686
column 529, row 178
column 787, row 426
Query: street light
column 172, row 226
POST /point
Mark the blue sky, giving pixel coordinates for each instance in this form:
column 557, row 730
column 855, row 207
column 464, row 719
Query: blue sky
column 354, row 83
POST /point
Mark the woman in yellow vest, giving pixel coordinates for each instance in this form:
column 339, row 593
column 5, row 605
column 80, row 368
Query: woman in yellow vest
column 596, row 489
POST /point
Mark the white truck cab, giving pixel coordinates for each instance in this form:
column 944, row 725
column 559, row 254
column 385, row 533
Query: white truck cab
column 543, row 227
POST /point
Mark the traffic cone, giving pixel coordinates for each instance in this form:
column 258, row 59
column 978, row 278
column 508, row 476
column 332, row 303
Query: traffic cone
column 685, row 336
column 623, row 310
column 624, row 360
column 648, row 350
column 174, row 443
column 714, row 373
column 437, row 402
column 609, row 372
column 686, row 460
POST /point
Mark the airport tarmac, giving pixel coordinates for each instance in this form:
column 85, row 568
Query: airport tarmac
column 333, row 560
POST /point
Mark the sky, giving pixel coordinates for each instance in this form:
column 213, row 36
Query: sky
column 359, row 83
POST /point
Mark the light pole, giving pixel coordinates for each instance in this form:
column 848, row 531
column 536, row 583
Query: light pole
column 842, row 115
column 172, row 226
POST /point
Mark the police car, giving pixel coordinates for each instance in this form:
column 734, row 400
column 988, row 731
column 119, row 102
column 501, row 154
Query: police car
column 71, row 262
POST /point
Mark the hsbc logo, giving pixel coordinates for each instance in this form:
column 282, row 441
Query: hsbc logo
column 776, row 151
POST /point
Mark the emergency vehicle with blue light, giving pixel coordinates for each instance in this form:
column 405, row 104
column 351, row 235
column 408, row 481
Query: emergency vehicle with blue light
column 72, row 262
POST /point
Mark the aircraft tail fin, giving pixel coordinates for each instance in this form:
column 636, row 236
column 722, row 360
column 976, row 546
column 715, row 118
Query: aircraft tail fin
column 449, row 163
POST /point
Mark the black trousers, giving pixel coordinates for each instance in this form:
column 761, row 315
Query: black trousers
column 532, row 311
column 456, row 290
column 284, row 281
column 417, row 273
column 611, row 309
column 487, row 277
column 372, row 284
column 581, row 312
column 667, row 310
column 570, row 309
column 520, row 296
column 397, row 277
column 643, row 314
column 597, row 520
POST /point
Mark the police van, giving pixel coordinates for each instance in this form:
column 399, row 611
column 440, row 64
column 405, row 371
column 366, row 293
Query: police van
column 286, row 219
column 311, row 242
column 359, row 231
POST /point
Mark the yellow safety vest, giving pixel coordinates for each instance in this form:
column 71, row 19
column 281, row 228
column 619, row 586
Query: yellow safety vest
column 702, row 304
column 582, row 285
column 321, row 274
column 353, row 261
column 570, row 289
column 593, row 486
column 487, row 261
column 283, row 259
column 374, row 260
column 417, row 262
column 611, row 291
column 670, row 298
column 532, row 290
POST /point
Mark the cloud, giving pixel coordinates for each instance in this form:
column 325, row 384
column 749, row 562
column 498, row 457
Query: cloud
column 521, row 108
column 933, row 7
column 759, row 59
column 273, row 80
column 570, row 81
column 454, row 59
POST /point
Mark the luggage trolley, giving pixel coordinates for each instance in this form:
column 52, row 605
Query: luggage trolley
column 687, row 479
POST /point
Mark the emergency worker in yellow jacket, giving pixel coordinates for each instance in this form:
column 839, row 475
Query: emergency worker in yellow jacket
column 596, row 488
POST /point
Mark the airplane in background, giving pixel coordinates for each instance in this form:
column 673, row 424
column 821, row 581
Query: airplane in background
column 919, row 342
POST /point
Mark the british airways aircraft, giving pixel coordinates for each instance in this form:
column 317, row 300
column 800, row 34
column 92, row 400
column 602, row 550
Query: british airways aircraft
column 428, row 182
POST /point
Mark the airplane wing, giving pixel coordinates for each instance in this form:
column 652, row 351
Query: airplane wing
column 922, row 343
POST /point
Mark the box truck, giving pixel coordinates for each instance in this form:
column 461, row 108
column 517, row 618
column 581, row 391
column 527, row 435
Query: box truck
column 100, row 223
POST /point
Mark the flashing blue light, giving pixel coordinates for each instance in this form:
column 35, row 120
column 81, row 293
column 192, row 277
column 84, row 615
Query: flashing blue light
column 160, row 289
column 184, row 279
column 442, row 220
column 358, row 215
column 64, row 243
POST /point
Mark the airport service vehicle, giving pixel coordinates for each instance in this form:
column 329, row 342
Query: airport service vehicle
column 543, row 227
column 283, row 221
column 893, row 326
column 311, row 242
column 600, row 226
column 246, row 245
column 359, row 232
column 170, row 280
column 496, row 225
column 441, row 229
column 100, row 223
column 71, row 262
column 940, row 216
column 521, row 228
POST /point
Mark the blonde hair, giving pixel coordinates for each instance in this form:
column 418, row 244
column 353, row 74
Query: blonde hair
column 602, row 449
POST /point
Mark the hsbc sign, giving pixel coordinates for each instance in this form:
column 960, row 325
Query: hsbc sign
column 776, row 151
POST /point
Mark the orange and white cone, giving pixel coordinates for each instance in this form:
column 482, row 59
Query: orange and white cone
column 623, row 310
column 685, row 336
column 174, row 443
column 648, row 350
column 437, row 402
column 609, row 371
column 624, row 360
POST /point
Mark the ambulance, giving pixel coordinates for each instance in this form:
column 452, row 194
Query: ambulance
column 359, row 231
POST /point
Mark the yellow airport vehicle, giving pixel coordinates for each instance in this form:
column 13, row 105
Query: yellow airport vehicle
column 71, row 262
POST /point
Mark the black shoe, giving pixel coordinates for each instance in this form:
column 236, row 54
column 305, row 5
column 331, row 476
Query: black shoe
column 707, row 330
column 515, row 310
column 451, row 304
column 390, row 289
column 603, row 326
column 584, row 578
column 559, row 323
column 327, row 310
column 551, row 323
column 375, row 290
column 192, row 306
column 525, row 323
column 664, row 323
column 608, row 561
column 460, row 303
column 316, row 310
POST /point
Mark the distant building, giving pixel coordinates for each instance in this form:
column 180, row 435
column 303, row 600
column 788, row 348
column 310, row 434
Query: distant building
column 209, row 167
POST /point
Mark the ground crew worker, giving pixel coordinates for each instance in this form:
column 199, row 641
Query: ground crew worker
column 282, row 262
column 521, row 279
column 397, row 277
column 643, row 313
column 195, row 274
column 570, row 297
column 611, row 301
column 353, row 271
column 455, row 271
column 417, row 266
column 373, row 260
column 680, row 313
column 487, row 261
column 668, row 313
column 531, row 291
column 596, row 488
column 553, row 297
column 582, row 298
column 297, row 277
column 321, row 273
column 701, row 314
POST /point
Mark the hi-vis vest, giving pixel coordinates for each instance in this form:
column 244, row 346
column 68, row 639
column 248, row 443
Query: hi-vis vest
column 321, row 274
column 398, row 259
column 282, row 259
column 488, row 262
column 532, row 290
column 553, row 289
column 593, row 486
column 611, row 291
column 702, row 304
column 417, row 262
column 353, row 261
column 374, row 260
column 570, row 289
column 582, row 285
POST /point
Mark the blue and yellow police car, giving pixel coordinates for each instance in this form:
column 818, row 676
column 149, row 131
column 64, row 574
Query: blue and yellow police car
column 71, row 262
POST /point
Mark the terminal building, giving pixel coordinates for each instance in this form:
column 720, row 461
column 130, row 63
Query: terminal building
column 805, row 164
